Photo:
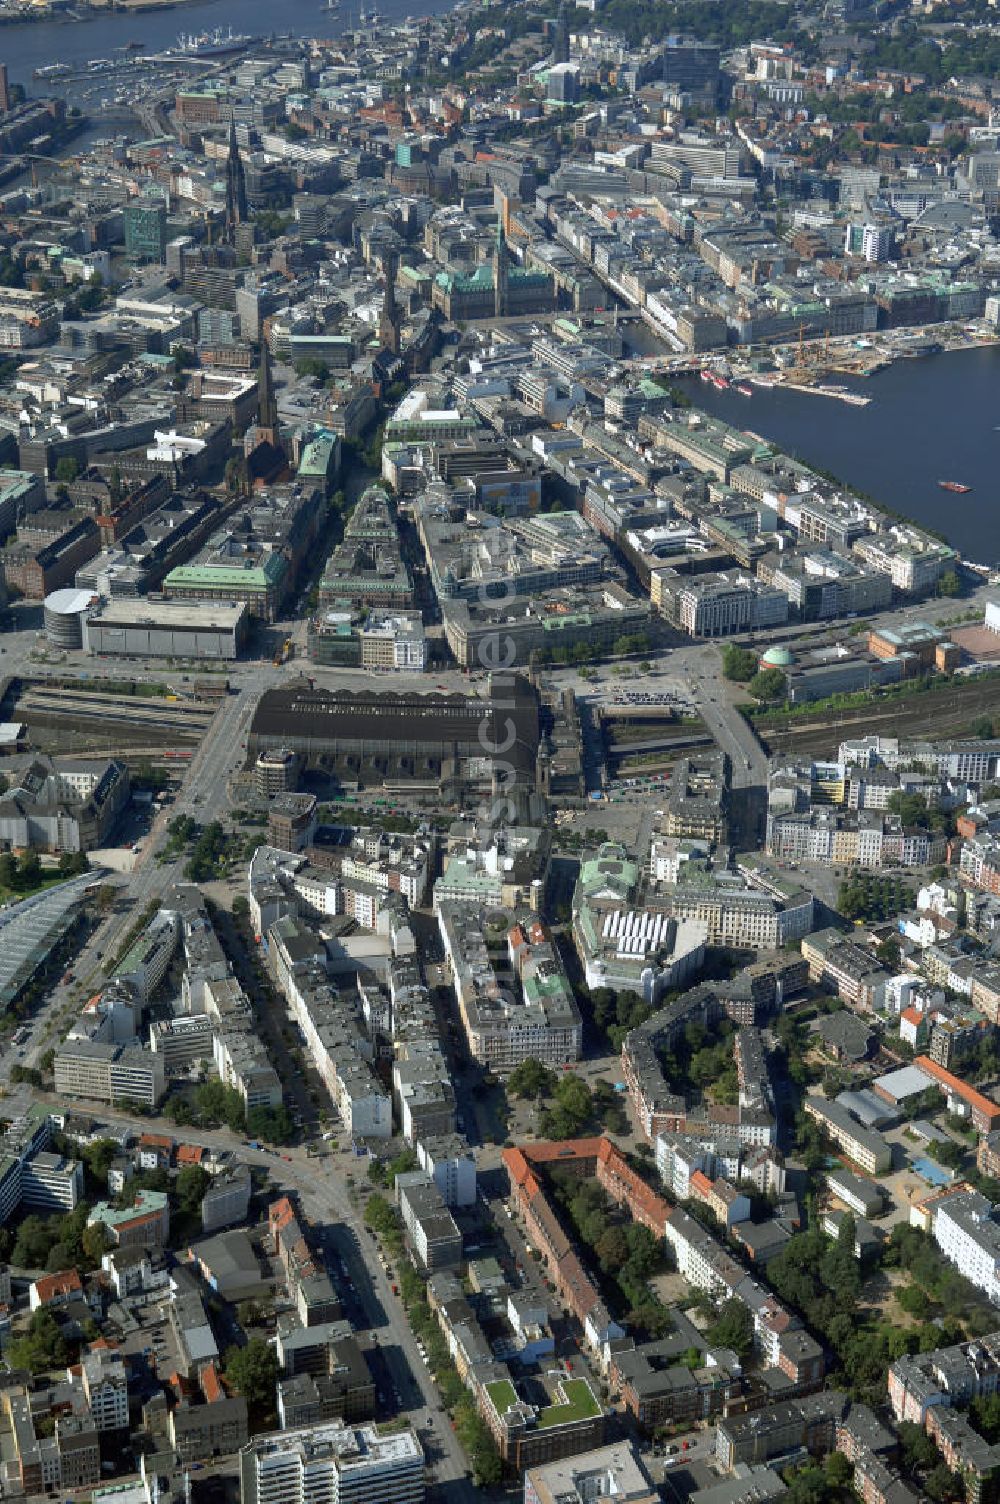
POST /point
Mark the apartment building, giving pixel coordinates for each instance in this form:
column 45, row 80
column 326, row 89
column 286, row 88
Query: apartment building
column 809, row 1423
column 311, row 1288
column 68, row 1458
column 346, row 1464
column 864, row 1146
column 423, row 1093
column 845, row 968
column 658, row 1388
column 390, row 862
column 968, row 1235
column 658, row 1107
column 240, row 1056
column 50, row 1291
column 450, row 1163
column 343, row 1390
column 432, row 1229
column 953, row 1375
column 147, row 961
column 526, row 1168
column 866, row 839
column 102, row 1374
column 778, row 1334
column 877, row 1483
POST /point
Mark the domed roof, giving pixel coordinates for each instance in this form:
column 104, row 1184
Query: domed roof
column 777, row 657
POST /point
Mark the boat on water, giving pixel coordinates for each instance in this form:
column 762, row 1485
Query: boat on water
column 216, row 43
column 744, row 390
column 52, row 70
column 720, row 383
column 954, row 485
column 706, row 375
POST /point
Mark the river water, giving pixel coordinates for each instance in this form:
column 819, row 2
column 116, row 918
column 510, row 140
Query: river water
column 933, row 418
column 25, row 46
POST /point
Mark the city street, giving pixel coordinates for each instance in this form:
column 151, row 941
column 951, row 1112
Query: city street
column 325, row 1197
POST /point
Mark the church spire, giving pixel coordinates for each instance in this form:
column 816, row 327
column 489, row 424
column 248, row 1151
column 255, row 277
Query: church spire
column 267, row 406
column 389, row 320
column 560, row 39
column 500, row 269
column 236, row 185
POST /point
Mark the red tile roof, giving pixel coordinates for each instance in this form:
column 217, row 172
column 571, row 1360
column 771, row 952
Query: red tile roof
column 974, row 1099
column 66, row 1282
column 211, row 1386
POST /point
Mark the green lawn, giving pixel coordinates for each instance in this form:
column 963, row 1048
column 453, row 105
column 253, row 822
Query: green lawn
column 578, row 1402
column 503, row 1395
column 49, row 880
column 580, row 1405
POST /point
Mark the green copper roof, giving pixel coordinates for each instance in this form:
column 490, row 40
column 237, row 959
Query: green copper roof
column 195, row 576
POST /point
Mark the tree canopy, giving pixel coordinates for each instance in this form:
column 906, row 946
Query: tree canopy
column 253, row 1372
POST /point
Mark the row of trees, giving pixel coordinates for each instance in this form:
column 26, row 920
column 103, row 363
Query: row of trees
column 592, row 652
column 873, row 895
column 471, row 1430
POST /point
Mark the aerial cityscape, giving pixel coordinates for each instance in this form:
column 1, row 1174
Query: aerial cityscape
column 499, row 752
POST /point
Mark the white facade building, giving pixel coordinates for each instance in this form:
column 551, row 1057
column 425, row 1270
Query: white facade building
column 335, row 1464
column 969, row 1238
